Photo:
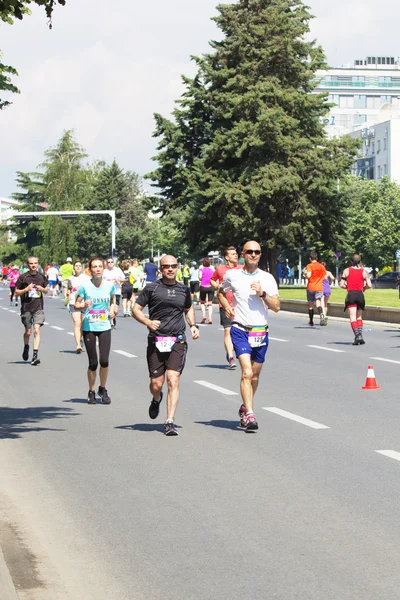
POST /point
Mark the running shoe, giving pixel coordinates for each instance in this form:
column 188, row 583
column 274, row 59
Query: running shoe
column 154, row 407
column 79, row 350
column 321, row 320
column 169, row 428
column 203, row 320
column 92, row 397
column 104, row 397
column 232, row 364
column 242, row 416
column 251, row 424
column 25, row 354
column 311, row 323
column 326, row 321
column 35, row 361
column 210, row 322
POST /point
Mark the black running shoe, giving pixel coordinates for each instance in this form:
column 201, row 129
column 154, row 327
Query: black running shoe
column 169, row 428
column 25, row 354
column 91, row 397
column 154, row 407
column 105, row 398
column 35, row 361
column 251, row 424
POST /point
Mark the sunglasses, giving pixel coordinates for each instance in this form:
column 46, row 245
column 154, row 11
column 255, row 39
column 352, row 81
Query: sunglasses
column 175, row 266
column 256, row 252
column 110, row 262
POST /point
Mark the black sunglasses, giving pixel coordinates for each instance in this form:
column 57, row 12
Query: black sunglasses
column 169, row 266
column 256, row 252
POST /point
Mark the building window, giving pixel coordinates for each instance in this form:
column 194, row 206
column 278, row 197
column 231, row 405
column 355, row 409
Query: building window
column 378, row 147
column 386, row 99
column 384, row 144
column 346, row 101
column 373, row 102
column 334, row 98
column 360, row 101
column 379, row 172
column 385, row 169
column 373, row 148
column 358, row 78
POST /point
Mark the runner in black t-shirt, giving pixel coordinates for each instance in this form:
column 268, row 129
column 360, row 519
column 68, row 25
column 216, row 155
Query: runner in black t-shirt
column 168, row 302
column 30, row 287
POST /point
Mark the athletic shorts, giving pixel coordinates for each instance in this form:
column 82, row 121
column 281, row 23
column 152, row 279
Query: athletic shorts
column 240, row 341
column 127, row 295
column 28, row 319
column 135, row 290
column 313, row 296
column 158, row 362
column 118, row 299
column 355, row 298
column 194, row 287
column 223, row 319
column 65, row 283
column 72, row 309
column 206, row 294
column 53, row 282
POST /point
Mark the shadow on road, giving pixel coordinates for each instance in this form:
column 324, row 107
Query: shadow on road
column 341, row 343
column 309, row 327
column 19, row 362
column 222, row 424
column 146, row 427
column 67, row 351
column 224, row 367
column 16, row 421
column 76, row 401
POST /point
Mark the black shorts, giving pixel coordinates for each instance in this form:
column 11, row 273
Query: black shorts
column 127, row 295
column 158, row 362
column 194, row 287
column 118, row 299
column 223, row 319
column 206, row 294
column 355, row 297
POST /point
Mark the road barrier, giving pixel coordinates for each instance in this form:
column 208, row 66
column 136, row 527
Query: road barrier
column 382, row 314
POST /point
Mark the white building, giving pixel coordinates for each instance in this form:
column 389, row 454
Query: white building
column 380, row 153
column 360, row 93
column 7, row 207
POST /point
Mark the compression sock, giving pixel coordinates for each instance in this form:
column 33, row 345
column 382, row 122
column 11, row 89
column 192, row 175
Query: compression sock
column 319, row 309
column 311, row 315
column 354, row 326
column 360, row 325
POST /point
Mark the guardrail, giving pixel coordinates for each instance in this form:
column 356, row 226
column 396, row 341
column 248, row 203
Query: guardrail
column 383, row 314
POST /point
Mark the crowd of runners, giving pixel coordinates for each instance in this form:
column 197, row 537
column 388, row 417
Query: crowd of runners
column 162, row 298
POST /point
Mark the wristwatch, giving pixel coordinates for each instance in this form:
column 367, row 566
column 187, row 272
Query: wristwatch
column 263, row 295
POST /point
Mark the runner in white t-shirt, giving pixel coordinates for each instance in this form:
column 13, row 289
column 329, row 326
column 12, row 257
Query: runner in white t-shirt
column 254, row 292
column 114, row 275
column 73, row 284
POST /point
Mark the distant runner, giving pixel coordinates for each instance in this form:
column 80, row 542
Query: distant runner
column 315, row 273
column 356, row 279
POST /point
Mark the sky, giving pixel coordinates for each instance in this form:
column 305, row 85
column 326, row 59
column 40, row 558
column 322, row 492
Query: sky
column 108, row 65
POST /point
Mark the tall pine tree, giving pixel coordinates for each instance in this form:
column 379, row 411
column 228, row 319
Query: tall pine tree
column 247, row 152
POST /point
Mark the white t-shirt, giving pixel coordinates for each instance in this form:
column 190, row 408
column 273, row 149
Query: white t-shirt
column 250, row 309
column 74, row 283
column 52, row 274
column 112, row 275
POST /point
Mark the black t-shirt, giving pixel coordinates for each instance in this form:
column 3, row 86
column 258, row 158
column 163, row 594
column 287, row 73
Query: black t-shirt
column 32, row 301
column 126, row 286
column 167, row 303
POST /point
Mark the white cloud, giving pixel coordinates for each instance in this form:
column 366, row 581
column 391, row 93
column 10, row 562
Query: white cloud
column 104, row 72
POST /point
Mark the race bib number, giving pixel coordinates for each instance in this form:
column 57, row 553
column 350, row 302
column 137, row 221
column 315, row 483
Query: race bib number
column 164, row 344
column 97, row 316
column 257, row 337
column 34, row 293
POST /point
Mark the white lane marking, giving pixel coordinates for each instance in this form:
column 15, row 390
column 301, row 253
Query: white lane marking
column 396, row 362
column 4, row 308
column 46, row 323
column 323, row 348
column 293, row 417
column 217, row 388
column 58, row 328
column 70, row 333
column 390, row 454
column 277, row 339
column 13, row 311
column 127, row 354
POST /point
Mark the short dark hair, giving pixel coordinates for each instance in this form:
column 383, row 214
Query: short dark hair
column 314, row 255
column 206, row 262
column 151, row 259
column 227, row 249
column 93, row 259
column 355, row 259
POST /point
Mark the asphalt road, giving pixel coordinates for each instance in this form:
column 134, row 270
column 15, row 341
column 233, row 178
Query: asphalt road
column 95, row 502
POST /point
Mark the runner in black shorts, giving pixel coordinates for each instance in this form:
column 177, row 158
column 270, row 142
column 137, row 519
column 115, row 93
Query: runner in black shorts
column 168, row 302
column 355, row 280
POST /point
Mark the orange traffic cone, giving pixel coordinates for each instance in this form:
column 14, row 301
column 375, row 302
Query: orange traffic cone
column 370, row 382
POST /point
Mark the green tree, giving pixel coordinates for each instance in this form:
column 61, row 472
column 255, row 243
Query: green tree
column 247, row 151
column 6, row 84
column 65, row 179
column 17, row 9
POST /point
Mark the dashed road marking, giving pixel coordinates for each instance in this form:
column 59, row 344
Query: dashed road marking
column 395, row 362
column 390, row 454
column 46, row 323
column 13, row 311
column 217, row 388
column 327, row 349
column 127, row 354
column 293, row 417
column 58, row 328
column 70, row 333
column 277, row 339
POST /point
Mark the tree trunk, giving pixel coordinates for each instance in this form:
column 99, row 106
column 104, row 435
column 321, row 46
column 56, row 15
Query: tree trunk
column 272, row 261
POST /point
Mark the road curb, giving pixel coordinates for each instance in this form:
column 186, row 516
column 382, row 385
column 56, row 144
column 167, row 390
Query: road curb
column 378, row 314
column 7, row 588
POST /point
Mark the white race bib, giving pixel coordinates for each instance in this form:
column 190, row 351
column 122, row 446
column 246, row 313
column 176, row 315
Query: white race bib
column 257, row 337
column 34, row 293
column 97, row 316
column 164, row 343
